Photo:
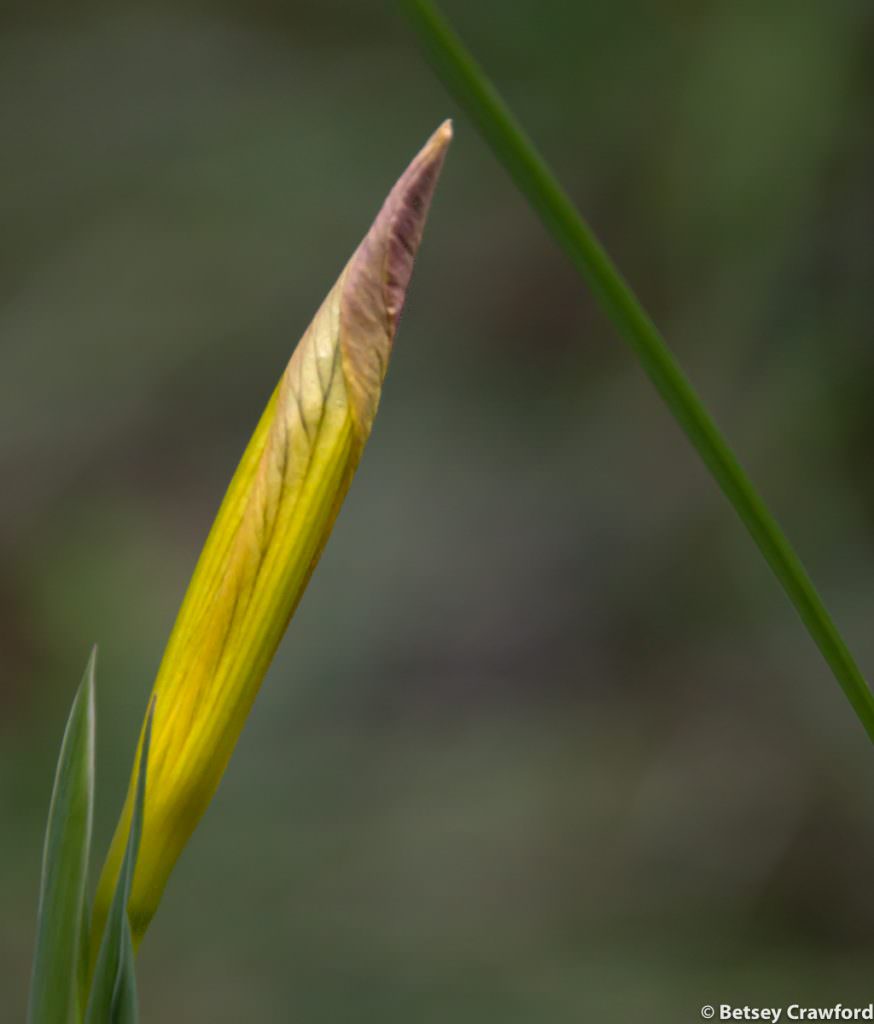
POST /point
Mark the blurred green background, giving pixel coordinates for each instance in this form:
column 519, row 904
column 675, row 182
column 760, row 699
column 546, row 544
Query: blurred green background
column 545, row 741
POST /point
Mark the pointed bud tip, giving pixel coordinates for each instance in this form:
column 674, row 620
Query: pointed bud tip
column 379, row 273
column 401, row 222
column 442, row 137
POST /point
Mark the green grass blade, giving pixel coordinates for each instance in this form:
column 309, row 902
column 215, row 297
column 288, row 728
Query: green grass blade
column 54, row 982
column 84, row 956
column 473, row 90
column 113, row 995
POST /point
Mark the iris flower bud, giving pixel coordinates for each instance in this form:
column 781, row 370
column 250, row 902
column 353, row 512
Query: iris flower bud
column 267, row 538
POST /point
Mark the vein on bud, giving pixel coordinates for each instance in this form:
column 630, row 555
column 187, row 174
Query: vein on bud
column 267, row 538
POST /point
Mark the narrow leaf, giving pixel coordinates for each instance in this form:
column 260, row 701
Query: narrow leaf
column 84, row 959
column 470, row 85
column 113, row 996
column 53, row 987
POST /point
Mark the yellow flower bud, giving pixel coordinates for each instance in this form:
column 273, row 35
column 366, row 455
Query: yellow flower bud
column 267, row 538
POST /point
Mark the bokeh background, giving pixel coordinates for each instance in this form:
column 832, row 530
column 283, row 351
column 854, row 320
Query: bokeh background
column 545, row 741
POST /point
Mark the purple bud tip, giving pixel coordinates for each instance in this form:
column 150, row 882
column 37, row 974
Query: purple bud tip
column 377, row 277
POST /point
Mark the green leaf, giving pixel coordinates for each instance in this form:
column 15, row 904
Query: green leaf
column 62, row 910
column 113, row 996
column 84, row 957
column 470, row 85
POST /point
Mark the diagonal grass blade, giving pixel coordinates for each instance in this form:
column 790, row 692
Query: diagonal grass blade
column 475, row 92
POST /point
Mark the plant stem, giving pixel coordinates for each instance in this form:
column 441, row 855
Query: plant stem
column 475, row 92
